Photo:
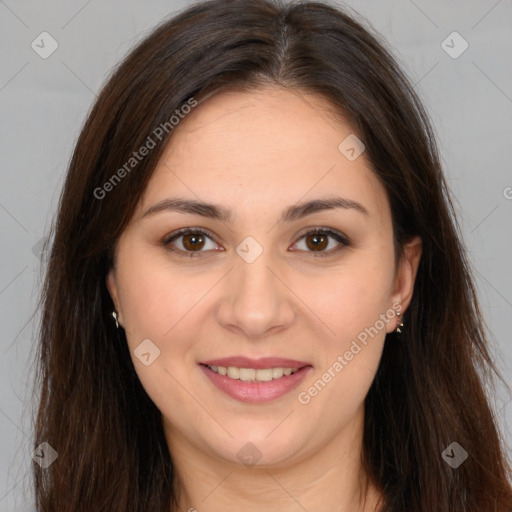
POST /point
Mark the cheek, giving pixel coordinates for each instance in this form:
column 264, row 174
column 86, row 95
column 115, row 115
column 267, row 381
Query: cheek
column 350, row 299
column 338, row 386
column 164, row 305
column 355, row 305
column 337, row 396
column 155, row 297
column 155, row 301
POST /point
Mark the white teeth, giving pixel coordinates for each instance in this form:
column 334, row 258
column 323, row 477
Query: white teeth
column 246, row 374
column 252, row 374
column 233, row 372
column 264, row 375
column 277, row 373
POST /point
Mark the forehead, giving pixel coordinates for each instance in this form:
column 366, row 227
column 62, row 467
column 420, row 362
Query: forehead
column 269, row 145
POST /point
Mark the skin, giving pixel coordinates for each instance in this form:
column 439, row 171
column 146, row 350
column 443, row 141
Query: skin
column 257, row 153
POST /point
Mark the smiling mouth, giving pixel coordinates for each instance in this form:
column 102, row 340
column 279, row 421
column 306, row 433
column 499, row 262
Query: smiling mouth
column 253, row 374
column 255, row 385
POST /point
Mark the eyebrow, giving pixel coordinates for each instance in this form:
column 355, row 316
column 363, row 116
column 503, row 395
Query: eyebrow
column 223, row 214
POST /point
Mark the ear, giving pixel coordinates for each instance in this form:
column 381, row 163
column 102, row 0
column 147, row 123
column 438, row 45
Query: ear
column 114, row 294
column 406, row 276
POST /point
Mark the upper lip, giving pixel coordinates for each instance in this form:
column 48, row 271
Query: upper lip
column 262, row 363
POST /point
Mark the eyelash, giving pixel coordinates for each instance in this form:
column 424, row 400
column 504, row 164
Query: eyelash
column 339, row 237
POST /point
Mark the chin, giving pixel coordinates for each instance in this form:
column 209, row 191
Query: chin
column 263, row 451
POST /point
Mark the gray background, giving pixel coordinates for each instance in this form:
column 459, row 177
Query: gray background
column 43, row 103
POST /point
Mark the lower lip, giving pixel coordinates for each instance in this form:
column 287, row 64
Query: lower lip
column 256, row 392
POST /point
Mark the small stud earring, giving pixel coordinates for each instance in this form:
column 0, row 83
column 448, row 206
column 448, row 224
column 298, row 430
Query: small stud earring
column 114, row 314
column 400, row 324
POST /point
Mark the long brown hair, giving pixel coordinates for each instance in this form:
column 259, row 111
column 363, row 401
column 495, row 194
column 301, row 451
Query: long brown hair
column 429, row 388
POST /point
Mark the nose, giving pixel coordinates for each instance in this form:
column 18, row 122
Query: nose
column 256, row 298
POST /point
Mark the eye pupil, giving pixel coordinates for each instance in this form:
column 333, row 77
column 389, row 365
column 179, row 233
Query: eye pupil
column 320, row 242
column 193, row 241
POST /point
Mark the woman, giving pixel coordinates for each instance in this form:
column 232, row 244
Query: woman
column 257, row 296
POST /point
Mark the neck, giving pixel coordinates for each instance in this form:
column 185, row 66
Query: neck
column 332, row 478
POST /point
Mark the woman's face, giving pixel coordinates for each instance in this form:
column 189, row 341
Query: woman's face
column 249, row 288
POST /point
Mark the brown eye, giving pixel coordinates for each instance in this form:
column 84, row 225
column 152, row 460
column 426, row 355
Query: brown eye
column 193, row 242
column 189, row 242
column 318, row 240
